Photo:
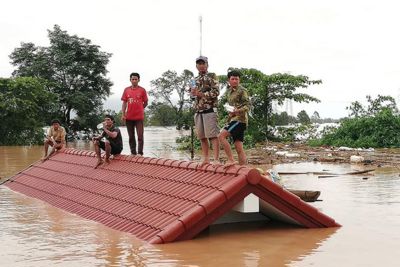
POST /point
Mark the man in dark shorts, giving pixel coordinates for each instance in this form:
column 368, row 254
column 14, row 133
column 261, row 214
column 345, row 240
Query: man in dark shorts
column 112, row 144
column 238, row 107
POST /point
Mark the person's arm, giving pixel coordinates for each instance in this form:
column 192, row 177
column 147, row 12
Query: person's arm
column 112, row 134
column 49, row 134
column 124, row 105
column 123, row 110
column 244, row 103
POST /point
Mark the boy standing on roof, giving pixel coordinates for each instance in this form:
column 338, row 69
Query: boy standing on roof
column 238, row 100
column 205, row 106
column 113, row 140
column 55, row 138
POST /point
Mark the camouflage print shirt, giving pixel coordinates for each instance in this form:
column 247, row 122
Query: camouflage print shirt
column 239, row 99
column 208, row 85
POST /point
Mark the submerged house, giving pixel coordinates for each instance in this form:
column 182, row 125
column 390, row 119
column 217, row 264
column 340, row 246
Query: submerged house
column 161, row 200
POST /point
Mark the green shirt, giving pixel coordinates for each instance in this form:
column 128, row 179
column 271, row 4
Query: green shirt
column 239, row 99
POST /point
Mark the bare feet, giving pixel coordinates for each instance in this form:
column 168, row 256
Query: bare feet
column 204, row 162
column 216, row 163
column 229, row 164
column 99, row 162
column 44, row 158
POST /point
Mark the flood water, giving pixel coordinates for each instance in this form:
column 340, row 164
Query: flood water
column 33, row 233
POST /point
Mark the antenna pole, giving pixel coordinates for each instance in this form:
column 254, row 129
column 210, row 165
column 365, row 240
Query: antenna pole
column 201, row 34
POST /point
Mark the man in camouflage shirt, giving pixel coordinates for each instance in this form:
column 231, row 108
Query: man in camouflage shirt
column 238, row 100
column 205, row 106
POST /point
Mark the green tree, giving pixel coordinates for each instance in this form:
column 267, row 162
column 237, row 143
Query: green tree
column 315, row 117
column 26, row 106
column 303, row 117
column 161, row 114
column 90, row 120
column 374, row 106
column 376, row 125
column 170, row 86
column 266, row 89
column 281, row 119
column 356, row 109
column 74, row 68
column 381, row 102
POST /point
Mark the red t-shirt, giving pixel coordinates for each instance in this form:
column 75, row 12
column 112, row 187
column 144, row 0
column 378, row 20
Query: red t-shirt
column 134, row 98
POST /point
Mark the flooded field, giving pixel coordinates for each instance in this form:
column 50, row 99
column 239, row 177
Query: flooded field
column 367, row 206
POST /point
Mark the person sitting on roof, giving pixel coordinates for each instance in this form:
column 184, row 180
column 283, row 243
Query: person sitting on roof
column 55, row 138
column 112, row 144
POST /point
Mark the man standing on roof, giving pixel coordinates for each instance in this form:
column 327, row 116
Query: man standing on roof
column 134, row 101
column 238, row 100
column 112, row 144
column 55, row 138
column 205, row 106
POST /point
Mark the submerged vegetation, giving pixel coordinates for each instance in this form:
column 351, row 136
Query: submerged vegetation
column 377, row 125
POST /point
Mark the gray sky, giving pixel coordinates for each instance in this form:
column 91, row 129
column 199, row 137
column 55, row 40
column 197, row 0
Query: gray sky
column 352, row 46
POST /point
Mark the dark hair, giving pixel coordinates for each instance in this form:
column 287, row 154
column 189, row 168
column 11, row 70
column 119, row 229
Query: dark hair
column 134, row 74
column 235, row 73
column 110, row 117
column 55, row 121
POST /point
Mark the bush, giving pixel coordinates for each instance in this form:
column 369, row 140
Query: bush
column 380, row 130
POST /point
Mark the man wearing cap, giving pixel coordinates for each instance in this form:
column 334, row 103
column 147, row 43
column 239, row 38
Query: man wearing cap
column 55, row 138
column 205, row 106
column 112, row 144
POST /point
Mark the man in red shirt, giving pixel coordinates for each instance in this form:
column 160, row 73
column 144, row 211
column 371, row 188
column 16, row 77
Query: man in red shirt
column 134, row 100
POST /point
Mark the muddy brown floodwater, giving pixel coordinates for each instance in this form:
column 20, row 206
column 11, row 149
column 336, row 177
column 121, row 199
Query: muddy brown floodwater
column 367, row 206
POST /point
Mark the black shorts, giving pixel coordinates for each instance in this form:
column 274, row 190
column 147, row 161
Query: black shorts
column 236, row 129
column 114, row 149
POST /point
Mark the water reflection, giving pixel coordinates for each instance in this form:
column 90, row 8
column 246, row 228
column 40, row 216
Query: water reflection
column 247, row 244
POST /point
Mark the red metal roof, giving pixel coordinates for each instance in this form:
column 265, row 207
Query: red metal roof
column 157, row 200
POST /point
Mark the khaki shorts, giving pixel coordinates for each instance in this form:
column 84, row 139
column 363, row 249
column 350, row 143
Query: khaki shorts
column 206, row 125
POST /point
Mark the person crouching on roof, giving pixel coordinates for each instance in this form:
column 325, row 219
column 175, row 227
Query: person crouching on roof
column 112, row 143
column 55, row 138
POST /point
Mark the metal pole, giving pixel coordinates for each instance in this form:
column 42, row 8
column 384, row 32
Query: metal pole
column 201, row 34
column 191, row 126
column 191, row 142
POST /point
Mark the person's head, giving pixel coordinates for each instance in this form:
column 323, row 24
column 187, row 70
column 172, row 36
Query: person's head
column 202, row 64
column 109, row 120
column 234, row 78
column 55, row 123
column 135, row 78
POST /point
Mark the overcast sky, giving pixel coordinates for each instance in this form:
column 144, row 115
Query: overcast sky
column 352, row 46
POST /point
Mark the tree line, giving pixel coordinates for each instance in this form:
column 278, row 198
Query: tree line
column 68, row 80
